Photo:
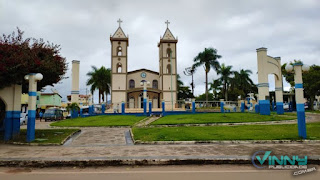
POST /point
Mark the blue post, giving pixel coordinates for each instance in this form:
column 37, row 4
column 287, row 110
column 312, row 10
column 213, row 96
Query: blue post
column 242, row 106
column 80, row 112
column 222, row 106
column 31, row 126
column 193, row 107
column 163, row 108
column 103, row 108
column 301, row 121
column 123, row 108
column 264, row 106
column 74, row 113
column 92, row 110
column 150, row 107
column 8, row 126
column 280, row 109
column 145, row 107
column 272, row 106
column 257, row 108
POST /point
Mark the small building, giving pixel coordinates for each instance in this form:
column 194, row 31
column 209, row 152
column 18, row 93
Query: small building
column 84, row 100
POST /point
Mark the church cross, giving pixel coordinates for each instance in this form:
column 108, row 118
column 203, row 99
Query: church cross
column 119, row 21
column 167, row 22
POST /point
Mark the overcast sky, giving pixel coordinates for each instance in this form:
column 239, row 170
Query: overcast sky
column 288, row 28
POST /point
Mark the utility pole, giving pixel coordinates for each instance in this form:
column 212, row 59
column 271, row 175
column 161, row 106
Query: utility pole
column 189, row 71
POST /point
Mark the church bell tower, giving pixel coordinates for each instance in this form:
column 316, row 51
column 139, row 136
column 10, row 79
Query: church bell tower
column 168, row 68
column 119, row 65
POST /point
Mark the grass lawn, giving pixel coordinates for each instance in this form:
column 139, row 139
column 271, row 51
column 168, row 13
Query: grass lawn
column 98, row 121
column 220, row 118
column 45, row 136
column 313, row 111
column 241, row 132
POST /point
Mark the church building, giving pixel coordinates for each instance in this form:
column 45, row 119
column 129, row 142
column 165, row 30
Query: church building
column 127, row 86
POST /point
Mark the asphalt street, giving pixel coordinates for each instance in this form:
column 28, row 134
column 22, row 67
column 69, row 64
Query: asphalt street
column 154, row 172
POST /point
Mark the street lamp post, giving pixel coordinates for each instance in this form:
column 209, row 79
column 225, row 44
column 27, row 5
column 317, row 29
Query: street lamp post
column 298, row 67
column 144, row 84
column 33, row 78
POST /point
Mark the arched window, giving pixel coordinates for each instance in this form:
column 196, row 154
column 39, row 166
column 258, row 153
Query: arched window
column 168, row 52
column 155, row 84
column 119, row 51
column 168, row 69
column 119, row 68
column 131, row 84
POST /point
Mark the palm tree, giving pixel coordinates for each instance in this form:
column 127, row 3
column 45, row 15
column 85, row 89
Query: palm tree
column 100, row 79
column 225, row 72
column 208, row 58
column 243, row 80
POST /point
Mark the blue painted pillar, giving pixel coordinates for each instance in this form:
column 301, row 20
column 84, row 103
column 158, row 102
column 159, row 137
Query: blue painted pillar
column 150, row 107
column 264, row 106
column 193, row 107
column 163, row 108
column 8, row 124
column 15, row 122
column 242, row 106
column 103, row 108
column 280, row 109
column 222, row 106
column 123, row 108
column 145, row 106
column 257, row 108
column 302, row 131
column 31, row 126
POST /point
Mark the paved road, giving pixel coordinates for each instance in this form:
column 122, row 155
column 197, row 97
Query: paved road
column 155, row 173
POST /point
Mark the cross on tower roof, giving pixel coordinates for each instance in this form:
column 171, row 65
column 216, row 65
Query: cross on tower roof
column 167, row 22
column 119, row 21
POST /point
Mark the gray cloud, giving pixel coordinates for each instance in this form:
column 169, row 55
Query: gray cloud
column 289, row 29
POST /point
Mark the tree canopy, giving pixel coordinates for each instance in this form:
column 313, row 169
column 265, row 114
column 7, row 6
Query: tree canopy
column 311, row 82
column 100, row 79
column 209, row 59
column 19, row 57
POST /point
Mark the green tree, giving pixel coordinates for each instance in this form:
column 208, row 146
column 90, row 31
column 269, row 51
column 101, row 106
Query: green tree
column 19, row 57
column 100, row 79
column 311, row 82
column 203, row 97
column 225, row 73
column 183, row 91
column 208, row 58
column 73, row 107
column 242, row 82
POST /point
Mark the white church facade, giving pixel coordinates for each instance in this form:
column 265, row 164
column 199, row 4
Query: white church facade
column 126, row 85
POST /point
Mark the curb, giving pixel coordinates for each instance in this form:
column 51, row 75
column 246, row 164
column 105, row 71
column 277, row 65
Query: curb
column 130, row 162
column 137, row 142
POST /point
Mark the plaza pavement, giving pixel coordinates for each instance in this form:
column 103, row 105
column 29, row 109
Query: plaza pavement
column 112, row 146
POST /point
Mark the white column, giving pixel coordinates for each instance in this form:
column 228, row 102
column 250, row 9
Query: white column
column 75, row 82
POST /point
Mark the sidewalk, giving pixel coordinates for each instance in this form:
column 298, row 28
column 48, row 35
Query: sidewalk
column 147, row 154
column 111, row 146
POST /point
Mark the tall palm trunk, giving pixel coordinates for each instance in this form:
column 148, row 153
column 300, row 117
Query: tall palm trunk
column 225, row 91
column 207, row 97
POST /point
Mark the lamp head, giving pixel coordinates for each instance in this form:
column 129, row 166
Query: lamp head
column 289, row 68
column 305, row 68
column 38, row 76
column 26, row 77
